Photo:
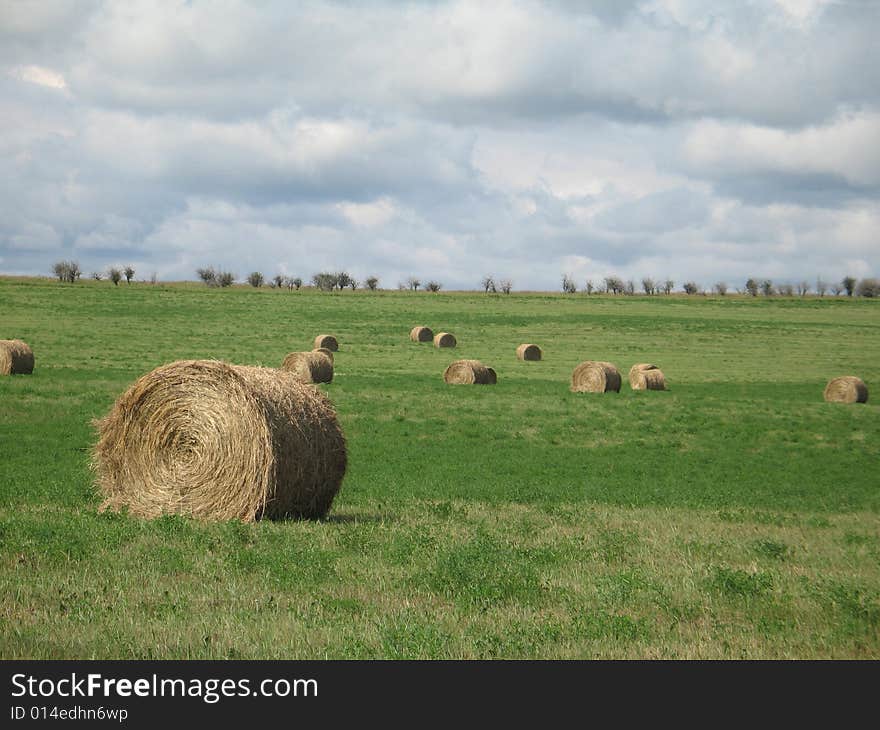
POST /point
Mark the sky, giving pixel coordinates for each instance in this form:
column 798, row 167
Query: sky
column 697, row 140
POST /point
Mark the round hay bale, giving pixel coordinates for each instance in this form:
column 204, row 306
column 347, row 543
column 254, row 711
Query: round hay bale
column 444, row 339
column 324, row 351
column 309, row 367
column 644, row 376
column 846, row 389
column 16, row 358
column 528, row 352
column 493, row 376
column 327, row 341
column 595, row 377
column 220, row 442
column 467, row 372
column 421, row 334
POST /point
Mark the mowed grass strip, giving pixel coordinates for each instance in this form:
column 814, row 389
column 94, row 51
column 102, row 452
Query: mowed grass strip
column 444, row 579
column 735, row 514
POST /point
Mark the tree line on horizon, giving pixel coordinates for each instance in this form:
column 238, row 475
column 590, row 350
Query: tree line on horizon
column 69, row 272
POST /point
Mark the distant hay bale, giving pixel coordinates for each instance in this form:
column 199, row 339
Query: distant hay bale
column 493, row 376
column 327, row 341
column 16, row 358
column 595, row 377
column 528, row 352
column 310, row 367
column 421, row 334
column 468, row 372
column 644, row 376
column 846, row 389
column 325, row 351
column 220, row 442
column 444, row 339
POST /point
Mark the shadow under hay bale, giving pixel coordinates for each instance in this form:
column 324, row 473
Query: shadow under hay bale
column 310, row 367
column 645, row 376
column 326, row 341
column 493, row 376
column 528, row 351
column 468, row 372
column 16, row 358
column 595, row 377
column 846, row 389
column 421, row 334
column 444, row 339
column 220, row 442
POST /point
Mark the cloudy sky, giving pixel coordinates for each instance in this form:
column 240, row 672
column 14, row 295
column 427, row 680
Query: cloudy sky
column 689, row 139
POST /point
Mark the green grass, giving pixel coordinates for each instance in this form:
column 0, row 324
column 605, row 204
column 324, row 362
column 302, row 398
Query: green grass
column 735, row 515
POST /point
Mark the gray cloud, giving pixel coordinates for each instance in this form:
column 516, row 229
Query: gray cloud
column 443, row 139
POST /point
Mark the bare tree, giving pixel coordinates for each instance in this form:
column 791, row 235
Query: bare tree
column 115, row 275
column 690, row 287
column 849, row 283
column 68, row 271
column 868, row 288
column 353, row 283
column 668, row 286
column 413, row 283
column 721, row 288
column 837, row 289
column 277, row 281
column 767, row 288
column 129, row 274
column 630, row 288
column 568, row 285
column 614, row 285
column 506, row 285
column 434, row 286
column 97, row 275
column 752, row 287
column 325, row 281
column 803, row 288
column 589, row 287
column 488, row 283
column 372, row 283
column 255, row 279
column 208, row 275
column 225, row 278
column 821, row 286
column 648, row 285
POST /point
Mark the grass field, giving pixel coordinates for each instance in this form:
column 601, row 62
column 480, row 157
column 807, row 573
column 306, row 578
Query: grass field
column 735, row 515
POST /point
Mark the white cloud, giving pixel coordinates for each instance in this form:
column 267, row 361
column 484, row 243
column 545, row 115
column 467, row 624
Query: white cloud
column 39, row 76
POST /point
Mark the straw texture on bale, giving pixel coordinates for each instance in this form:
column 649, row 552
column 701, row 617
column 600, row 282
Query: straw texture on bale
column 493, row 376
column 444, row 339
column 527, row 351
column 595, row 377
column 644, row 376
column 309, row 367
column 220, row 442
column 467, row 372
column 846, row 389
column 324, row 351
column 328, row 341
column 16, row 358
column 421, row 334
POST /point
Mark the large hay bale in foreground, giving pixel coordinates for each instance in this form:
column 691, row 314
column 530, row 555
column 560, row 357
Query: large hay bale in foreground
column 220, row 442
column 16, row 358
column 444, row 339
column 309, row 367
column 328, row 341
column 421, row 334
column 846, row 389
column 467, row 372
column 593, row 376
column 644, row 376
column 527, row 351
